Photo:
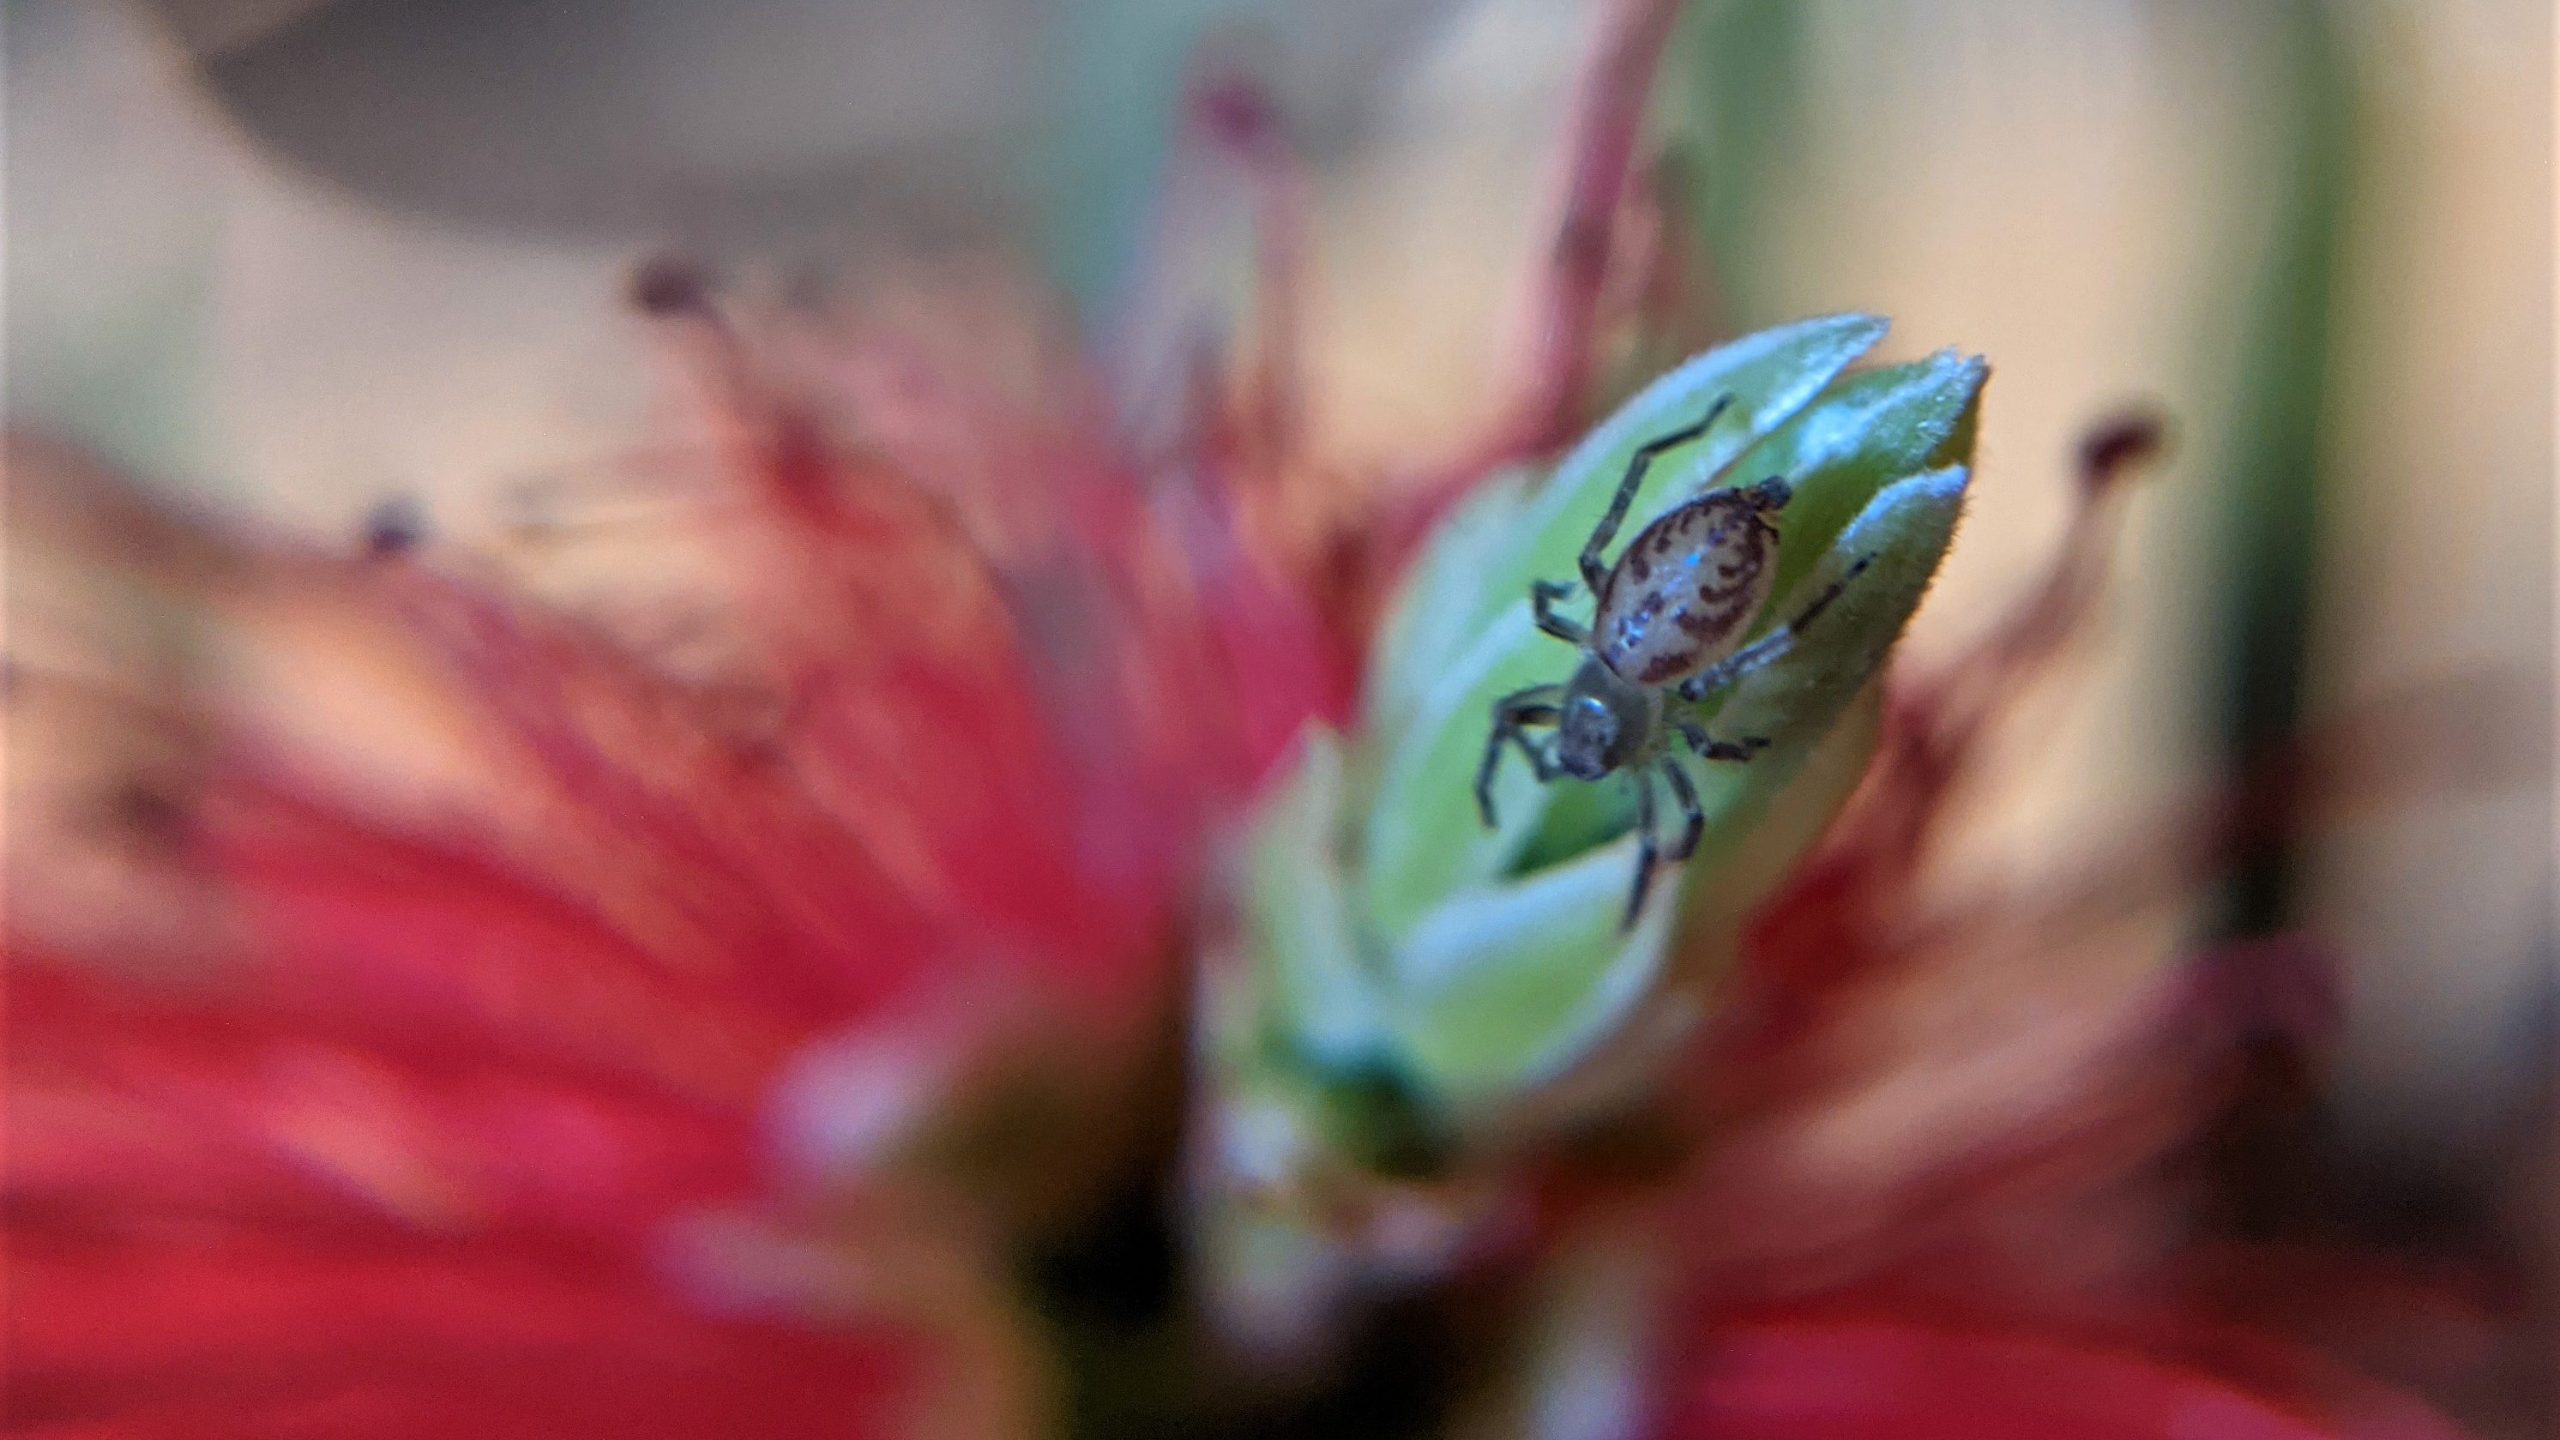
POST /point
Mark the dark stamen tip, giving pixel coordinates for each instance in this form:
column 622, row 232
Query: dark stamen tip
column 2120, row 444
column 1237, row 111
column 392, row 528
column 669, row 286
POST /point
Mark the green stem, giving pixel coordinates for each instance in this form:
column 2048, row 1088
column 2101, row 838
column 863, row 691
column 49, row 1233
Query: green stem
column 2272, row 473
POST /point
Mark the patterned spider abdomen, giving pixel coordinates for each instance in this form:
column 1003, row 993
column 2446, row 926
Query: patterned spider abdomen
column 1683, row 592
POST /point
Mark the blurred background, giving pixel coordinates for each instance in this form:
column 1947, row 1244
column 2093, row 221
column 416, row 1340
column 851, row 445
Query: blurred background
column 301, row 257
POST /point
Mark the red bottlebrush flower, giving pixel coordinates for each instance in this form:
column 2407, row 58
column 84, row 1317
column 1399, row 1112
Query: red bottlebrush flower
column 652, row 1088
column 1949, row 1185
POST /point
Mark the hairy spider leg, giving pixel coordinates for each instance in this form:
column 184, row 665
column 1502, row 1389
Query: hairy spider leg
column 1533, row 706
column 1594, row 574
column 1693, row 820
column 1707, row 747
column 1648, row 854
column 1543, row 595
column 1768, row 647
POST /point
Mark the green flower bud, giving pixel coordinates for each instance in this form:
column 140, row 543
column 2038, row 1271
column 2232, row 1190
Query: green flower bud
column 1416, row 988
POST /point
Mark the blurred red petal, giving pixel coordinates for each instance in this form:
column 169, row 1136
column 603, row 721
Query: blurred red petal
column 1850, row 1377
column 302, row 1336
column 397, row 1153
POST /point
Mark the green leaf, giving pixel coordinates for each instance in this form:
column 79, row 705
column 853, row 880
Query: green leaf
column 1506, row 985
column 1437, row 603
column 1793, row 700
column 1740, row 101
column 1502, row 986
column 1766, row 831
column 1447, row 979
column 1319, row 994
column 1838, row 452
column 1463, row 619
column 1868, row 431
column 1423, row 838
column 1770, row 375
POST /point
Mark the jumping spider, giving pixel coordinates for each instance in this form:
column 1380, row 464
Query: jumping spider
column 1668, row 615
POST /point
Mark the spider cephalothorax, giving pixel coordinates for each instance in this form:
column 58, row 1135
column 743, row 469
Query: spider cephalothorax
column 1669, row 613
column 1603, row 721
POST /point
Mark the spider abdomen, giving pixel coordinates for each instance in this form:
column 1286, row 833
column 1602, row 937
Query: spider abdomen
column 1685, row 590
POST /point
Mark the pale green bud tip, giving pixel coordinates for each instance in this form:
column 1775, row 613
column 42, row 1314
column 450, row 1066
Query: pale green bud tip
column 1402, row 948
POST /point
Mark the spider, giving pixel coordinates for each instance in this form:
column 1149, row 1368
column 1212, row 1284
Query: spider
column 1668, row 615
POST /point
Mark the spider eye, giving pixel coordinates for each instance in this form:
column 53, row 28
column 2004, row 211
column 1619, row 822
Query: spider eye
column 1772, row 493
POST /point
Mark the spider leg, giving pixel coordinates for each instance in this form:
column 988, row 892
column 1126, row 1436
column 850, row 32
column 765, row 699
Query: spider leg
column 1830, row 592
column 1543, row 595
column 1693, row 820
column 1647, row 853
column 1533, row 706
column 1768, row 647
column 1542, row 759
column 1708, row 747
column 1738, row 664
column 1595, row 573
